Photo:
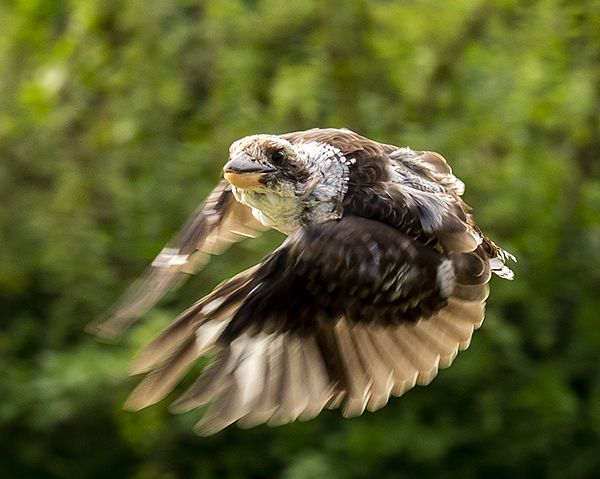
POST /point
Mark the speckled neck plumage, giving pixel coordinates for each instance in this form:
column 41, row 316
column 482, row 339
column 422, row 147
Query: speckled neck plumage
column 324, row 201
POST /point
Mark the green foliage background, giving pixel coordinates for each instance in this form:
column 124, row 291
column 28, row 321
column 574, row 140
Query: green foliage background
column 115, row 119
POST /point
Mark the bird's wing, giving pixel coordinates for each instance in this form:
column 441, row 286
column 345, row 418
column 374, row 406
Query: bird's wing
column 430, row 165
column 344, row 314
column 418, row 195
column 217, row 223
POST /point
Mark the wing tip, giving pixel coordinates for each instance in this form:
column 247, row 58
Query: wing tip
column 109, row 327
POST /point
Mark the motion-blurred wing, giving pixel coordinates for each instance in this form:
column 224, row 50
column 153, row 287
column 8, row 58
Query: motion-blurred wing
column 344, row 314
column 217, row 223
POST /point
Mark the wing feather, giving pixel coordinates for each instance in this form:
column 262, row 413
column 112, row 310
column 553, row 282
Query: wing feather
column 292, row 391
column 161, row 381
column 217, row 223
column 319, row 387
column 358, row 379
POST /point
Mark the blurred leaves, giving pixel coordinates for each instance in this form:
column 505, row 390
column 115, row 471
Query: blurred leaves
column 115, row 119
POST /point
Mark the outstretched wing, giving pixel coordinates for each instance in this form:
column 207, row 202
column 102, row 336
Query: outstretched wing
column 344, row 314
column 217, row 223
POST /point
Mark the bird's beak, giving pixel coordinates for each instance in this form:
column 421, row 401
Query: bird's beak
column 243, row 171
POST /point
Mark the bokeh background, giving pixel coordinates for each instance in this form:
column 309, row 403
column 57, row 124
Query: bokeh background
column 115, row 120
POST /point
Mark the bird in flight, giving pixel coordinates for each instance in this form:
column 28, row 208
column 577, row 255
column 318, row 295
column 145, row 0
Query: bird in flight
column 381, row 280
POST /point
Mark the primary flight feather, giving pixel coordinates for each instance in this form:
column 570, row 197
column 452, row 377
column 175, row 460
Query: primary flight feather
column 382, row 279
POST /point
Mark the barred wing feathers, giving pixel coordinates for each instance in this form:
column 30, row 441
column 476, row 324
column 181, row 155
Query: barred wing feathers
column 217, row 223
column 344, row 314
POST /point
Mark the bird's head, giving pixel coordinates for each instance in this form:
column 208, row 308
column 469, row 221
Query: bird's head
column 267, row 162
column 287, row 184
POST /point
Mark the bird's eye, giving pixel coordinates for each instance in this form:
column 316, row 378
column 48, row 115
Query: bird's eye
column 278, row 157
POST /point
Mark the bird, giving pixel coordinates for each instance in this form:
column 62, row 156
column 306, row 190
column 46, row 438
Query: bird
column 381, row 280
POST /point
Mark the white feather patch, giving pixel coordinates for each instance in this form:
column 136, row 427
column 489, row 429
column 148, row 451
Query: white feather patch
column 169, row 257
column 207, row 334
column 445, row 278
column 249, row 374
